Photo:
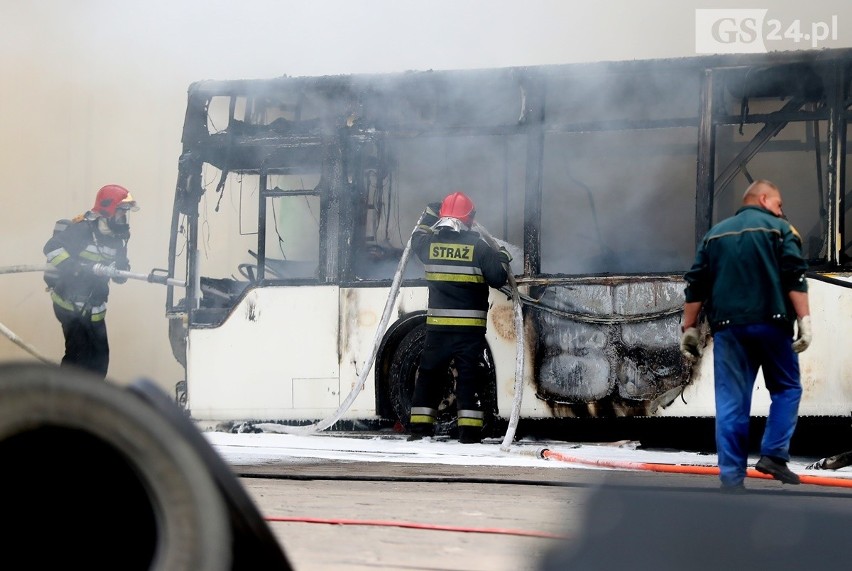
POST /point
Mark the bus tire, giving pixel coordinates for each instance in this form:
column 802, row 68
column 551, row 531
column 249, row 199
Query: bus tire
column 131, row 493
column 403, row 374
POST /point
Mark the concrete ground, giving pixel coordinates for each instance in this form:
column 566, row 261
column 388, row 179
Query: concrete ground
column 351, row 515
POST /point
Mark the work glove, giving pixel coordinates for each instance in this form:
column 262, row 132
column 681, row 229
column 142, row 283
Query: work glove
column 803, row 335
column 689, row 343
column 433, row 208
column 504, row 255
column 121, row 263
column 430, row 215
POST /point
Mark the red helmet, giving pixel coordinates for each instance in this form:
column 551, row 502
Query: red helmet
column 111, row 198
column 458, row 205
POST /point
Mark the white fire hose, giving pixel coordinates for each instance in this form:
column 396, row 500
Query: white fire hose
column 24, row 345
column 505, row 446
column 155, row 276
column 8, row 333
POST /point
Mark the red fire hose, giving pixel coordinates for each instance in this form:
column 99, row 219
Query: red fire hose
column 683, row 469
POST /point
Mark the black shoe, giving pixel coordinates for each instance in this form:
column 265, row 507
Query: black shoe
column 470, row 434
column 421, row 430
column 777, row 469
column 736, row 489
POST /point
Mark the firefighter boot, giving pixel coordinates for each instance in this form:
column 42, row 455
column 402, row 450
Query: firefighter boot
column 421, row 430
column 470, row 434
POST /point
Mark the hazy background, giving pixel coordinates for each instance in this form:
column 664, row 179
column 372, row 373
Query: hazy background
column 94, row 93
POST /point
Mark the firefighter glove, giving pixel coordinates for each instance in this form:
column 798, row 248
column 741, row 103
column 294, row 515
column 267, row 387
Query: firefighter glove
column 505, row 256
column 430, row 215
column 803, row 335
column 75, row 268
column 433, row 208
column 689, row 343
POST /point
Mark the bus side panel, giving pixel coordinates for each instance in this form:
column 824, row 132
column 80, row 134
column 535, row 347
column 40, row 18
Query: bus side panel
column 361, row 309
column 274, row 358
column 826, row 366
column 502, row 339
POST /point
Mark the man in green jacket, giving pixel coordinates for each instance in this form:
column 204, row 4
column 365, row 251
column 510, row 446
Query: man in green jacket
column 749, row 278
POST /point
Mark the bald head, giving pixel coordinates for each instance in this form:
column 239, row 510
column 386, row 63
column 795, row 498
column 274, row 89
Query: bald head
column 764, row 194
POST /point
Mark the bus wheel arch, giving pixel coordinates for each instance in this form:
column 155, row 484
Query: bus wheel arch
column 396, row 332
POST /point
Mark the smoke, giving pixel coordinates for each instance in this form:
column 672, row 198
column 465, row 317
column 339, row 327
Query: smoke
column 97, row 94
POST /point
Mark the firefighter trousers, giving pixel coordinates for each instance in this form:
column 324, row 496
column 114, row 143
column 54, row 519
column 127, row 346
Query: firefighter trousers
column 86, row 344
column 466, row 350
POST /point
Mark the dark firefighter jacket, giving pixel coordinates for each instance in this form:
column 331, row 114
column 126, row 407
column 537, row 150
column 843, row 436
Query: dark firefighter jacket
column 744, row 269
column 74, row 248
column 460, row 266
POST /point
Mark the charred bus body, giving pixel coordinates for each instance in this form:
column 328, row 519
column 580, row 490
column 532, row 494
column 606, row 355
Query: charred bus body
column 295, row 198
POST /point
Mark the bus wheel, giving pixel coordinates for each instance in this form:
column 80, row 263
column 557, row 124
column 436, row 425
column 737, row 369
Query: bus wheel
column 403, row 373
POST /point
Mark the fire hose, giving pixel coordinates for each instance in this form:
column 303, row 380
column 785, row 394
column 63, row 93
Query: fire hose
column 24, row 345
column 548, row 454
column 518, row 313
column 156, row 276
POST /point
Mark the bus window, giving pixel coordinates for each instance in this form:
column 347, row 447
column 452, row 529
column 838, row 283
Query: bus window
column 618, row 202
column 799, row 147
column 619, row 172
column 425, row 169
column 791, row 152
column 292, row 227
column 488, row 169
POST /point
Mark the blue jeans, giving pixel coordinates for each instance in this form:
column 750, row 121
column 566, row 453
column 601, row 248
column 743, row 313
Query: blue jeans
column 738, row 352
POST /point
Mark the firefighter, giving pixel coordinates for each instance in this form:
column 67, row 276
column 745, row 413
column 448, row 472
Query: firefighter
column 460, row 266
column 79, row 297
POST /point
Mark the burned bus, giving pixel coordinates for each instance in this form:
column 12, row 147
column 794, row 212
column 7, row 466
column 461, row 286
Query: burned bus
column 296, row 196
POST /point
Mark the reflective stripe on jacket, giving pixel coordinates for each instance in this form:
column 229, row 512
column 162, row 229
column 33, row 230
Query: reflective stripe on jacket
column 97, row 313
column 460, row 267
column 72, row 250
column 744, row 269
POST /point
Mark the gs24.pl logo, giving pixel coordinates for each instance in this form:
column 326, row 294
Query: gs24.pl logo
column 719, row 31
